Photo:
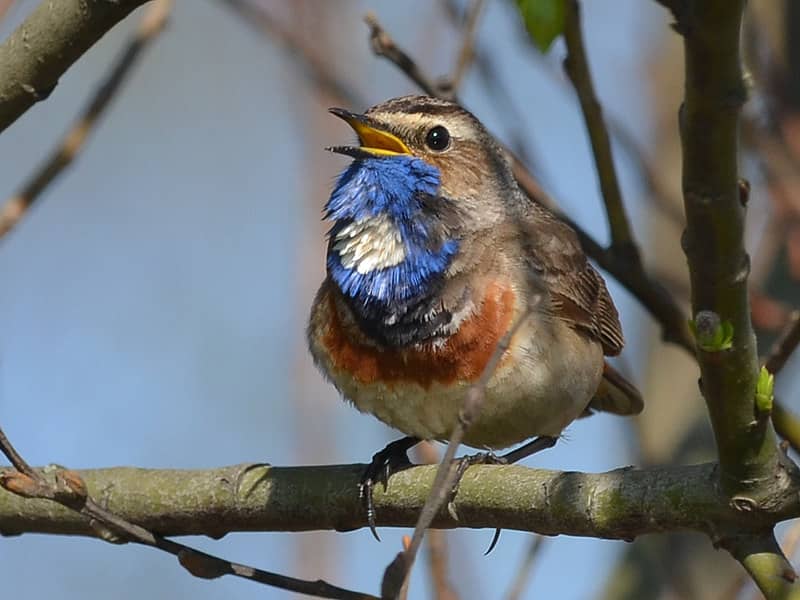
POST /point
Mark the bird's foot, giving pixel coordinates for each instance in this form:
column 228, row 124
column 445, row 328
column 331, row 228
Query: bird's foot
column 489, row 458
column 464, row 463
column 391, row 459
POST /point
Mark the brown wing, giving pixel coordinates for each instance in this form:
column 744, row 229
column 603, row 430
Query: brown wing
column 616, row 394
column 577, row 292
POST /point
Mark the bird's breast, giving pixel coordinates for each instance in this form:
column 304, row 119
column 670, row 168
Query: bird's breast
column 350, row 358
column 544, row 380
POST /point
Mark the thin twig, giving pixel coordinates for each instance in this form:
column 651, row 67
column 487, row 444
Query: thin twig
column 317, row 69
column 467, row 52
column 496, row 87
column 648, row 172
column 383, row 45
column 437, row 539
column 438, row 565
column 786, row 423
column 522, row 578
column 399, row 569
column 150, row 26
column 577, row 67
column 15, row 458
column 71, row 491
column 4, row 6
column 785, row 345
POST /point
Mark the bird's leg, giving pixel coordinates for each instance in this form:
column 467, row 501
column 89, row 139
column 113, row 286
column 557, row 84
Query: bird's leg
column 543, row 442
column 391, row 459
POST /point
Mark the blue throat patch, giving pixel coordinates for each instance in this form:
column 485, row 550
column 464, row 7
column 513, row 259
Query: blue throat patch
column 392, row 188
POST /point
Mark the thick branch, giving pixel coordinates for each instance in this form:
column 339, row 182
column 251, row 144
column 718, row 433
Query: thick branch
column 714, row 238
column 53, row 37
column 620, row 504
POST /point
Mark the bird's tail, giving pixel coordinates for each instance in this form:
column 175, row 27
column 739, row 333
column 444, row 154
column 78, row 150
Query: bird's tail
column 616, row 394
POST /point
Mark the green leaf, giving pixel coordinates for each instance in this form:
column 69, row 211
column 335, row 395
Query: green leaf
column 544, row 20
column 765, row 387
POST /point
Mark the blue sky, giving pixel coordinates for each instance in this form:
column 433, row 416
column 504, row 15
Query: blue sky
column 153, row 303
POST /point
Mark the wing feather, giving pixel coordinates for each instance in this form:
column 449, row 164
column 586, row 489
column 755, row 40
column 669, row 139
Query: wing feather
column 578, row 293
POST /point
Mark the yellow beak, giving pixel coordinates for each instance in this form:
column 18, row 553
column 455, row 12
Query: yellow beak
column 374, row 140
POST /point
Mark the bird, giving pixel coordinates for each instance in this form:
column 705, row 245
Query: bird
column 433, row 254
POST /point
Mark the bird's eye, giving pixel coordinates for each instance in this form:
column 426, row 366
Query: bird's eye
column 438, row 138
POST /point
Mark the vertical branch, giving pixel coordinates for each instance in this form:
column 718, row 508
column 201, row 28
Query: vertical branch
column 714, row 236
column 715, row 200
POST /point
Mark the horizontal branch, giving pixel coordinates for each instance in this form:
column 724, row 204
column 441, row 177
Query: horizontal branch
column 620, row 504
column 46, row 44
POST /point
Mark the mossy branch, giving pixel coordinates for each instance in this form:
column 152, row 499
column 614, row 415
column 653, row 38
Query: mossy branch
column 620, row 504
column 46, row 44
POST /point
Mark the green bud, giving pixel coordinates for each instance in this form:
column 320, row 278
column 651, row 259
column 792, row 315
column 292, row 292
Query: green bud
column 765, row 387
column 712, row 334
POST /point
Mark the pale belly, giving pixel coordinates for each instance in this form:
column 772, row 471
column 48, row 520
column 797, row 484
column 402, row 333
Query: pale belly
column 545, row 380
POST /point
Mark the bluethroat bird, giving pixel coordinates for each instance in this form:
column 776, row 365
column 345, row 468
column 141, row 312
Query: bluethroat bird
column 433, row 254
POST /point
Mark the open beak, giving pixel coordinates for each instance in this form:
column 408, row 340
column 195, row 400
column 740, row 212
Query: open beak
column 375, row 142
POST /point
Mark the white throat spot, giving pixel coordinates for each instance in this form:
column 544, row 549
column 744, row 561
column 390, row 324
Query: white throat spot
column 370, row 244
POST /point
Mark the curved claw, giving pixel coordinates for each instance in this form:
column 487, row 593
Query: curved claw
column 493, row 543
column 365, row 495
column 384, row 462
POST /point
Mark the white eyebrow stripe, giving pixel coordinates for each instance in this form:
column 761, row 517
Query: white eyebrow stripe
column 458, row 126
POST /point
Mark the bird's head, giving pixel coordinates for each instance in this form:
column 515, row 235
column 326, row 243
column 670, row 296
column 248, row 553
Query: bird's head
column 426, row 174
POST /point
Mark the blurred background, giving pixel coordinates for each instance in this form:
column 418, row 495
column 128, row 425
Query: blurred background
column 153, row 302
